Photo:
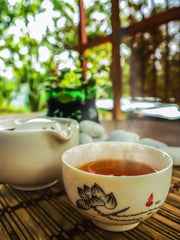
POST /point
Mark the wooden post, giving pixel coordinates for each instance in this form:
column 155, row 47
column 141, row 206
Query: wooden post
column 82, row 35
column 115, row 63
column 167, row 88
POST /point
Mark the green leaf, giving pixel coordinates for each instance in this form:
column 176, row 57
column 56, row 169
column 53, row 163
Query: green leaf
column 64, row 98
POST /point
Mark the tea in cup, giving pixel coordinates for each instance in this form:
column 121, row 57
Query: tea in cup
column 116, row 184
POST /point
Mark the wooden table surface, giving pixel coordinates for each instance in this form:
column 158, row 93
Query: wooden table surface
column 48, row 214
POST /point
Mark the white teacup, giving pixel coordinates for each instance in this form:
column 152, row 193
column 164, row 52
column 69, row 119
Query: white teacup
column 116, row 203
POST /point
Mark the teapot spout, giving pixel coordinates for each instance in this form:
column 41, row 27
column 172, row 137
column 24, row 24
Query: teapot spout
column 63, row 135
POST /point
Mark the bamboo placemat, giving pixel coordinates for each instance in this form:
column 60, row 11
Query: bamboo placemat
column 48, row 214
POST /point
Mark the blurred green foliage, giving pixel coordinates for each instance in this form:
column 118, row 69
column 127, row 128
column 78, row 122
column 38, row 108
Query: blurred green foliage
column 21, row 49
column 23, row 71
column 27, row 68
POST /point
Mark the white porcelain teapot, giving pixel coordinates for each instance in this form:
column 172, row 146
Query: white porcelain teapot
column 31, row 149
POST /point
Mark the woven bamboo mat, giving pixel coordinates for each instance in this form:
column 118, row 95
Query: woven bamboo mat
column 48, row 214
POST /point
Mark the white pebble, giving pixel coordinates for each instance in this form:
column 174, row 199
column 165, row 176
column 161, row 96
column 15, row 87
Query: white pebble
column 84, row 138
column 152, row 142
column 174, row 152
column 93, row 129
column 123, row 136
column 100, row 139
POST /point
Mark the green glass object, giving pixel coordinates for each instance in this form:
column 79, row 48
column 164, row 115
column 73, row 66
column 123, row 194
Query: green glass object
column 73, row 103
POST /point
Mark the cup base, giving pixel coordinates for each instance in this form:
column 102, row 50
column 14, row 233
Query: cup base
column 33, row 188
column 114, row 227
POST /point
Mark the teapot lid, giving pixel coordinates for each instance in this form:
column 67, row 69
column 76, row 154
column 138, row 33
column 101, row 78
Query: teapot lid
column 57, row 128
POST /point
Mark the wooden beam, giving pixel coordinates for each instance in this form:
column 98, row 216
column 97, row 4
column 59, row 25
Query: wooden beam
column 172, row 14
column 115, row 74
column 93, row 43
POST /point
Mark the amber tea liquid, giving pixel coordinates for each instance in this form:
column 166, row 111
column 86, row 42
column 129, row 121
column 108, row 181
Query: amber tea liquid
column 115, row 167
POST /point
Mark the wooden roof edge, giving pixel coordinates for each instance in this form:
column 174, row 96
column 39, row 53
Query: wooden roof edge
column 169, row 15
column 172, row 14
